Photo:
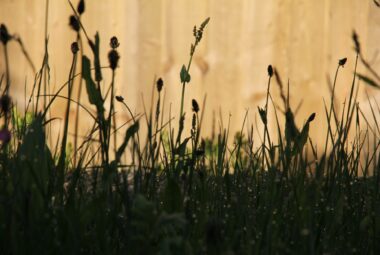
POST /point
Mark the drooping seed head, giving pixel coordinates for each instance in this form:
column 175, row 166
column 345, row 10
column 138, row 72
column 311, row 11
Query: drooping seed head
column 119, row 98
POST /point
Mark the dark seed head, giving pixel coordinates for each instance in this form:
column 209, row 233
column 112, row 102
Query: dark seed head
column 195, row 106
column 113, row 58
column 159, row 84
column 355, row 38
column 74, row 23
column 311, row 117
column 342, row 61
column 263, row 115
column 5, row 103
column 74, row 47
column 194, row 121
column 4, row 35
column 114, row 42
column 119, row 98
column 270, row 70
column 81, row 7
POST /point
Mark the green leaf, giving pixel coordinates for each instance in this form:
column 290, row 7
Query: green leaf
column 98, row 72
column 185, row 76
column 181, row 150
column 291, row 131
column 93, row 94
column 132, row 130
column 368, row 80
column 33, row 162
column 302, row 139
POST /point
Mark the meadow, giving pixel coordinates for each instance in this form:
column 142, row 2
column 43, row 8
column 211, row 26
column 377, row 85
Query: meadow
column 164, row 190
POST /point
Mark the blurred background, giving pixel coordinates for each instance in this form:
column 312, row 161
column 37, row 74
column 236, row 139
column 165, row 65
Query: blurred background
column 302, row 39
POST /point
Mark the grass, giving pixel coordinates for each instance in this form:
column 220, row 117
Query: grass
column 166, row 192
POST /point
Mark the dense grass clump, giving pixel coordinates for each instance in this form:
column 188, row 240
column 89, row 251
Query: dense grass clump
column 164, row 191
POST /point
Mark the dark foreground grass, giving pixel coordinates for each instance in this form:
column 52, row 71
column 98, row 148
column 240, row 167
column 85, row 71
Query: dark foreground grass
column 163, row 192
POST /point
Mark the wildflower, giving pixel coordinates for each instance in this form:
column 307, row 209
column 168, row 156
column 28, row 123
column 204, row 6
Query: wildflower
column 342, row 62
column 74, row 23
column 270, row 70
column 5, row 37
column 113, row 58
column 74, row 47
column 81, row 7
column 195, row 106
column 5, row 135
column 160, row 84
column 119, row 98
column 114, row 42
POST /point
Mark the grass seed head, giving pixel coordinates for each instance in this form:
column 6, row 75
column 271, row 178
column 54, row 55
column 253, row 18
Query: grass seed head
column 5, row 37
column 311, row 117
column 81, row 7
column 270, row 70
column 74, row 47
column 5, row 102
column 114, row 42
column 342, row 62
column 74, row 23
column 119, row 98
column 113, row 58
column 195, row 106
column 159, row 84
column 355, row 38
